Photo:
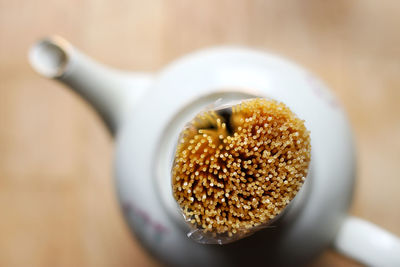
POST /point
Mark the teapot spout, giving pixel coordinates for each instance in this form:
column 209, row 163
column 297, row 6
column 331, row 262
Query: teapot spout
column 108, row 90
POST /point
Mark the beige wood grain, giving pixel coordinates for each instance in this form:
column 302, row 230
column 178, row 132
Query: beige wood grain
column 57, row 200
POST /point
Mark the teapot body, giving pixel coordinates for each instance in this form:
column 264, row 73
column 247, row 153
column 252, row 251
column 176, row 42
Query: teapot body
column 148, row 133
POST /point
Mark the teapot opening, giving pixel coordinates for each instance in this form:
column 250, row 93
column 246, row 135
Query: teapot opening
column 167, row 146
column 48, row 57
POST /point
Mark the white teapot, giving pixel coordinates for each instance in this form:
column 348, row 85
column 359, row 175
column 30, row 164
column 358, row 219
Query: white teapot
column 146, row 113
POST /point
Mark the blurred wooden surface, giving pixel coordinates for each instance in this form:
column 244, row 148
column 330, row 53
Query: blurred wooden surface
column 57, row 200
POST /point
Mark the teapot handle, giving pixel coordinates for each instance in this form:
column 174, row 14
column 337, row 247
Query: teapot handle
column 367, row 243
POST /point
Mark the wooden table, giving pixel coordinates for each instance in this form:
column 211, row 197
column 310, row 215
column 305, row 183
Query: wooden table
column 57, row 198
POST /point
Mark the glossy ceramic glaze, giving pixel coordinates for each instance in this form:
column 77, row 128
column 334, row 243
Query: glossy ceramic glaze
column 147, row 112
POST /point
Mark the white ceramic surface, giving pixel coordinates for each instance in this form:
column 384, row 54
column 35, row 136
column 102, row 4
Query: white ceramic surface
column 147, row 112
